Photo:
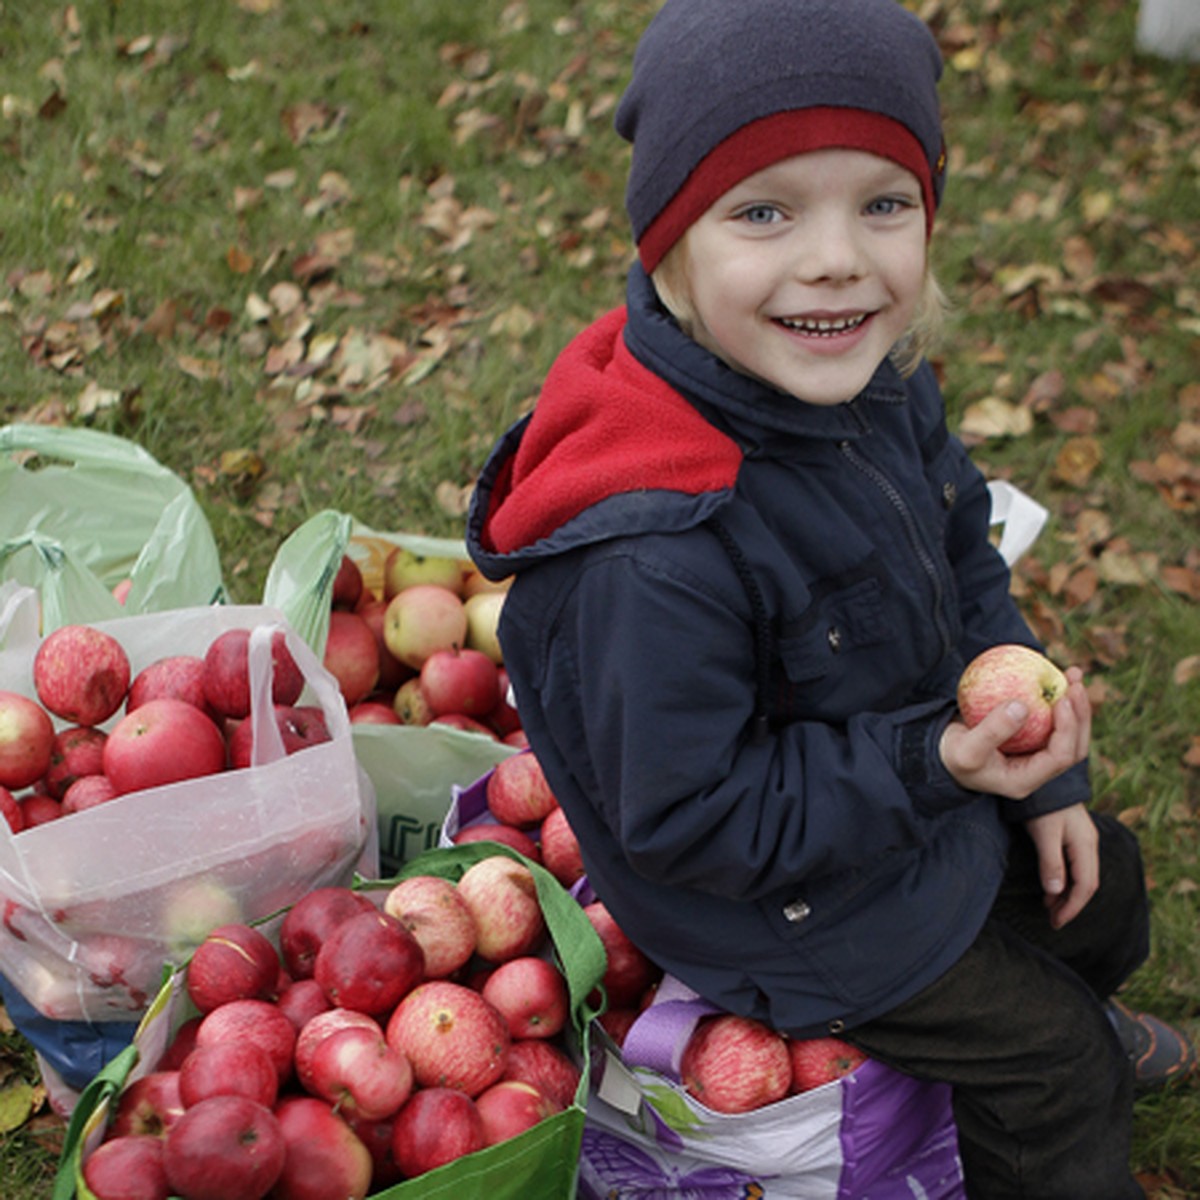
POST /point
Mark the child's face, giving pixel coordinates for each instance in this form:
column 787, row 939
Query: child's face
column 806, row 274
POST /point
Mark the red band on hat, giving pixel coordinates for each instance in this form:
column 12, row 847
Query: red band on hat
column 768, row 140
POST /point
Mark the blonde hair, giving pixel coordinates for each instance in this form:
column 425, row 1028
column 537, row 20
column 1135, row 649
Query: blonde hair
column 670, row 279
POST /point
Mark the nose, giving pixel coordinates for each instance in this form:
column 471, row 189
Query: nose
column 832, row 250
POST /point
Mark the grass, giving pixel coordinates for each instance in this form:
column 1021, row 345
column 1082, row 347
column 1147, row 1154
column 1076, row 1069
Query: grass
column 170, row 171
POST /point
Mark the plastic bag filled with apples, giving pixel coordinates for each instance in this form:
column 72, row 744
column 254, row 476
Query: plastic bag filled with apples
column 161, row 775
column 408, row 1030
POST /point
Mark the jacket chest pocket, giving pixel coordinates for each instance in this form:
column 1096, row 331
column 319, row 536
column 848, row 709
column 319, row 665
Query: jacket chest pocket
column 837, row 623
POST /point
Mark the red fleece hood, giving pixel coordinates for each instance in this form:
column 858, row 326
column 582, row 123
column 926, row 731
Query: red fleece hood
column 604, row 426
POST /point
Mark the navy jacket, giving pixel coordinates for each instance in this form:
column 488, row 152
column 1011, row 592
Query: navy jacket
column 734, row 635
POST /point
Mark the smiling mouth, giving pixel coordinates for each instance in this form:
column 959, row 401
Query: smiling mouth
column 824, row 327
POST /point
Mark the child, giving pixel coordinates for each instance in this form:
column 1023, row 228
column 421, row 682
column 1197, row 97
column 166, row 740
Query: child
column 751, row 564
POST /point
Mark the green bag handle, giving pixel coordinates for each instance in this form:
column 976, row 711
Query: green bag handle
column 576, row 941
column 108, row 1081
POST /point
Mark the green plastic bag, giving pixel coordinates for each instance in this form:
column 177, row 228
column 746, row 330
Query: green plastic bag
column 413, row 768
column 82, row 512
column 539, row 1164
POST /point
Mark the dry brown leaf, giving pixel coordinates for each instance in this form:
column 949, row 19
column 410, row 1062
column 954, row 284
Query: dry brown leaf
column 1077, row 461
column 1186, row 669
column 1081, row 587
column 240, row 262
column 203, row 369
column 993, row 417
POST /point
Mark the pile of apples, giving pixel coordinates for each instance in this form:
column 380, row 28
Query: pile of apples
column 423, row 651
column 377, row 1043
column 183, row 717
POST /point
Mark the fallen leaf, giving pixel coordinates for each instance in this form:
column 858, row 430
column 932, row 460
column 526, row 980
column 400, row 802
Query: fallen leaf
column 1186, row 669
column 993, row 417
column 203, row 369
column 1078, row 460
column 16, row 1105
column 240, row 262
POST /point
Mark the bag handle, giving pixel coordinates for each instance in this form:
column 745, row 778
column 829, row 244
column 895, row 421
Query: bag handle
column 659, row 1035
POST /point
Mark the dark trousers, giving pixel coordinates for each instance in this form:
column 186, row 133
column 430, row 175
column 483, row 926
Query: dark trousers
column 1043, row 1093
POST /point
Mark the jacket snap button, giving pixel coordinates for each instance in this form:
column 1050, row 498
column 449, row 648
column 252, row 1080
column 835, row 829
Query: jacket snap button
column 797, row 911
column 836, row 1026
column 949, row 495
column 834, row 638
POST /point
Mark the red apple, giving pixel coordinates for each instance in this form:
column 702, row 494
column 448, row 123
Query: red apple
column 26, row 741
column 733, row 1064
column 81, row 674
column 162, row 742
column 227, row 673
column 311, row 920
column 517, row 791
column 360, row 1074
column 228, row 1069
column 404, row 568
column 465, row 723
column 518, row 739
column 410, row 704
column 225, row 1148
column 347, row 584
column 506, row 835
column 37, row 810
column 299, row 726
column 504, row 718
column 372, row 712
column 629, row 972
column 452, row 1036
column 392, row 672
column 369, row 963
column 1004, row 673
column 816, row 1061
column 460, row 681
column 127, row 1168
column 257, row 1021
column 377, row 1137
column 324, row 1159
column 561, row 855
column 617, row 1021
column 437, row 1126
column 11, row 810
column 78, row 750
column 431, row 909
column 510, row 1107
column 234, row 962
column 176, row 677
column 351, row 655
column 319, row 1027
column 150, row 1105
column 87, row 792
column 302, row 1000
column 182, row 1043
column 531, row 995
column 546, row 1066
column 422, row 619
column 502, row 897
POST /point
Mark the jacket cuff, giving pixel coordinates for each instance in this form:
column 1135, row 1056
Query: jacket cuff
column 931, row 787
column 1071, row 787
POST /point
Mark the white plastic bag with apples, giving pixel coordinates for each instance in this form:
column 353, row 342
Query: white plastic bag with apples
column 96, row 902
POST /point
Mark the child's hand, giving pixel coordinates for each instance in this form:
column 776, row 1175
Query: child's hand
column 973, row 758
column 1068, row 860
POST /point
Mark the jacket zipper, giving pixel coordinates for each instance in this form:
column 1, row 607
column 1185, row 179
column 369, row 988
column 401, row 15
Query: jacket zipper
column 915, row 537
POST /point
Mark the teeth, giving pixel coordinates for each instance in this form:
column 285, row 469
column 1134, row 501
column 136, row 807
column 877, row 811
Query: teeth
column 824, row 328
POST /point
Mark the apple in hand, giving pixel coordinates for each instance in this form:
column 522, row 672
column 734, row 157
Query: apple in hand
column 436, row 1126
column 518, row 792
column 502, row 897
column 1008, row 672
column 81, row 674
column 227, row 673
column 530, row 994
column 164, row 741
column 323, row 1157
column 734, row 1064
column 452, row 1036
column 431, row 909
column 817, row 1061
column 26, row 741
column 224, row 1148
column 422, row 619
column 127, row 1168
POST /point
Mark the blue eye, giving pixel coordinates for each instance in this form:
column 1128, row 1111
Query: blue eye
column 759, row 214
column 889, row 206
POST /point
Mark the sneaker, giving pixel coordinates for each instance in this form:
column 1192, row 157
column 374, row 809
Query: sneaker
column 1162, row 1054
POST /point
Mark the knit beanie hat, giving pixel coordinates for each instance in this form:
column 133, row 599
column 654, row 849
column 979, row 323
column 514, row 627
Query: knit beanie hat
column 722, row 89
